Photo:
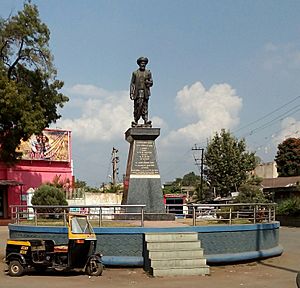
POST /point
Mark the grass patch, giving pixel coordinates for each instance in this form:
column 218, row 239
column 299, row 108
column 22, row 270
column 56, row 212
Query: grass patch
column 94, row 223
column 131, row 223
column 202, row 222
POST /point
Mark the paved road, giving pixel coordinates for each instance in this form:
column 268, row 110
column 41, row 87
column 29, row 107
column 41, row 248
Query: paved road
column 278, row 272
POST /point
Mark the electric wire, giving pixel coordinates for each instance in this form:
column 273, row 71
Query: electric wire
column 267, row 115
column 175, row 165
column 274, row 120
column 267, row 124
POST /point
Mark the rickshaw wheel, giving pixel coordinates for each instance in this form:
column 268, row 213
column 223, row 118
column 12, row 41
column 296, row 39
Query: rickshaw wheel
column 94, row 268
column 15, row 268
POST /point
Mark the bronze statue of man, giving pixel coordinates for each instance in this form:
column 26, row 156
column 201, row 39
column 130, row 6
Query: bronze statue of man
column 140, row 84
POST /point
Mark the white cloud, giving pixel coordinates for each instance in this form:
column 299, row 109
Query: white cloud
column 100, row 117
column 211, row 110
column 290, row 128
column 104, row 114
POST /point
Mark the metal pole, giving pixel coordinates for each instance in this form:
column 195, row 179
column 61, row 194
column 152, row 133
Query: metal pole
column 115, row 160
column 35, row 217
column 201, row 168
column 100, row 218
column 194, row 216
column 230, row 216
column 65, row 221
column 12, row 214
column 254, row 216
column 18, row 215
column 99, row 215
column 201, row 183
column 142, row 217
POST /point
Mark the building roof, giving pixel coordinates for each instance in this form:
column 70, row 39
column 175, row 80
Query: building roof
column 10, row 183
column 280, row 182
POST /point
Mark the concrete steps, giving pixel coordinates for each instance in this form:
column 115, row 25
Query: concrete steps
column 181, row 271
column 172, row 254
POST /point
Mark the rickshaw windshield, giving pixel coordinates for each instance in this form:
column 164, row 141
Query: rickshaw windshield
column 80, row 225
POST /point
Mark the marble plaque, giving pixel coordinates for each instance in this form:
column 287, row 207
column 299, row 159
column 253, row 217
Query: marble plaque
column 144, row 160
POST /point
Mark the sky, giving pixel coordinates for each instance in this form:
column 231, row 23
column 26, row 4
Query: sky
column 215, row 64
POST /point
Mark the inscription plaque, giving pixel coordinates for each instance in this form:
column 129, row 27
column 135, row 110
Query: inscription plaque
column 144, row 160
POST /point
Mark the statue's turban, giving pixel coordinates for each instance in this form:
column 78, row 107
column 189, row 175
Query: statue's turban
column 142, row 59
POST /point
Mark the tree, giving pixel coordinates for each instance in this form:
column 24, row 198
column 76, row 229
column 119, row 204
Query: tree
column 191, row 179
column 288, row 158
column 82, row 185
column 173, row 187
column 51, row 196
column 227, row 163
column 289, row 207
column 251, row 192
column 29, row 90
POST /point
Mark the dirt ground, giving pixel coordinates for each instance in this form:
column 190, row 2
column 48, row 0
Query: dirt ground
column 278, row 272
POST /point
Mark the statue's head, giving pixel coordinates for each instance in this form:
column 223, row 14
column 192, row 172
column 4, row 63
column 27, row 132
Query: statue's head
column 142, row 59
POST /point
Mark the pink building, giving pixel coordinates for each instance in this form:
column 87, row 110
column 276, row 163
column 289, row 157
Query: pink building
column 45, row 157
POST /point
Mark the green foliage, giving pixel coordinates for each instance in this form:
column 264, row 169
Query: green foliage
column 289, row 207
column 224, row 212
column 29, row 95
column 112, row 189
column 171, row 189
column 228, row 163
column 288, row 158
column 190, row 179
column 204, row 196
column 251, row 192
column 82, row 185
column 49, row 195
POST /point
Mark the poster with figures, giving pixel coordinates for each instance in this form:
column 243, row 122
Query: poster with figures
column 51, row 145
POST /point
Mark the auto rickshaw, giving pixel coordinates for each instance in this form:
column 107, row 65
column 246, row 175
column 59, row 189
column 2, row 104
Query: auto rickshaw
column 41, row 254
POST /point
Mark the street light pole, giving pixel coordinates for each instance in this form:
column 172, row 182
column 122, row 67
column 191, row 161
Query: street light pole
column 115, row 160
column 196, row 148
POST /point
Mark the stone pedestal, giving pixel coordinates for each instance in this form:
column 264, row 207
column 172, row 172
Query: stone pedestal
column 142, row 182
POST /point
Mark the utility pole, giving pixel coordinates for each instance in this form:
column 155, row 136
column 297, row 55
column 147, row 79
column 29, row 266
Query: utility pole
column 199, row 165
column 115, row 161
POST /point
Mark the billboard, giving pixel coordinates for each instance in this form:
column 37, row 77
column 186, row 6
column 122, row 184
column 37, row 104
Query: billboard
column 51, row 145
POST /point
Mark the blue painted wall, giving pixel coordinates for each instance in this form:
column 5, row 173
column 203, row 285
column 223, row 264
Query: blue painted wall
column 221, row 243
